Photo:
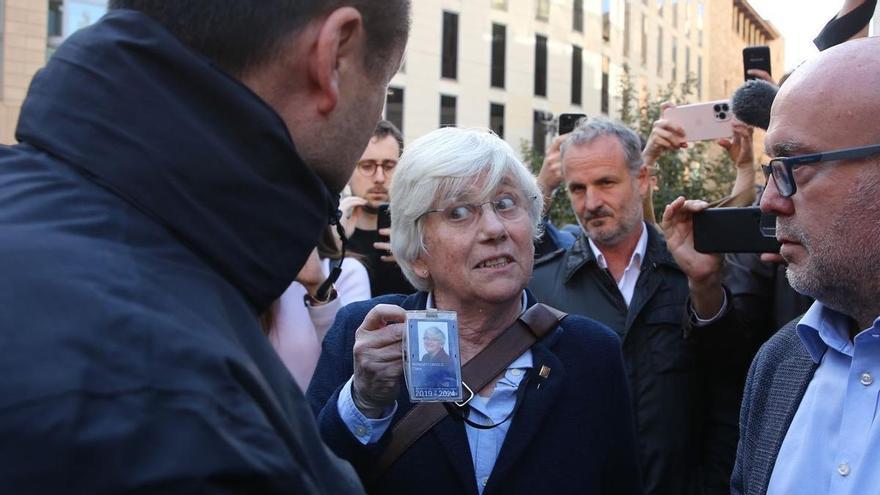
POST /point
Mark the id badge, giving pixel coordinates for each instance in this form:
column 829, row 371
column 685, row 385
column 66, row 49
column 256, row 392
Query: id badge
column 432, row 362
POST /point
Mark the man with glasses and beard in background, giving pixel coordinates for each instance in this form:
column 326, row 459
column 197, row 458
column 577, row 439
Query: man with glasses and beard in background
column 360, row 212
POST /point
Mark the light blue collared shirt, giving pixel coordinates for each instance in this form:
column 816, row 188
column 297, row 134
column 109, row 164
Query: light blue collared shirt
column 831, row 443
column 485, row 445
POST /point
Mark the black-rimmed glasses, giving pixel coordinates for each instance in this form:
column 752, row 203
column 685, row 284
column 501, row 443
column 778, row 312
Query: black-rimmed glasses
column 782, row 169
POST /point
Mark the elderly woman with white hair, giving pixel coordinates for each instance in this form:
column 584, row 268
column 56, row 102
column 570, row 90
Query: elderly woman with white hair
column 555, row 420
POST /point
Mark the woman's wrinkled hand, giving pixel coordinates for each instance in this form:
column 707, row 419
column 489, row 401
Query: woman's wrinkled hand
column 378, row 359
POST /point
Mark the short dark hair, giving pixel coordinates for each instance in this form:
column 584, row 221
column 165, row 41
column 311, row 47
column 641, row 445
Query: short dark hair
column 385, row 128
column 239, row 35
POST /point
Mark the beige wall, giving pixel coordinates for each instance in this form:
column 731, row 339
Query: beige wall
column 24, row 52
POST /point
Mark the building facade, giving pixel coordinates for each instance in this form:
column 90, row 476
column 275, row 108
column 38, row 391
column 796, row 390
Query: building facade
column 501, row 64
column 31, row 30
column 735, row 25
column 509, row 64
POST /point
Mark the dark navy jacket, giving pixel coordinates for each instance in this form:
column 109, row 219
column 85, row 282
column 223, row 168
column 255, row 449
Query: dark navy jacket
column 154, row 208
column 573, row 435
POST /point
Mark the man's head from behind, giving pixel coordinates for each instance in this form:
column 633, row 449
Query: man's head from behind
column 830, row 226
column 605, row 178
column 372, row 177
column 323, row 65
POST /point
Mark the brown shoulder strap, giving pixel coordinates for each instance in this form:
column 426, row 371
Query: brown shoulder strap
column 530, row 327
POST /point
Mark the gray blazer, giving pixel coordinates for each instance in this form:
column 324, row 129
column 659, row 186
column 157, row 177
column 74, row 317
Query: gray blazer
column 777, row 380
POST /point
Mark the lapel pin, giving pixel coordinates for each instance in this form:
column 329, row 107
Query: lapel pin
column 543, row 373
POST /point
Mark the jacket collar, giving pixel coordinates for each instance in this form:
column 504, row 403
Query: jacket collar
column 580, row 254
column 192, row 148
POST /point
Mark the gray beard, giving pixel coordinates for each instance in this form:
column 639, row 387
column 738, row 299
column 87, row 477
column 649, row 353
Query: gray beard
column 842, row 270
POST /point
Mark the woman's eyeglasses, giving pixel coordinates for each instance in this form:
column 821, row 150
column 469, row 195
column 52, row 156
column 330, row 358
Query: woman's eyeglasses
column 506, row 206
column 782, row 169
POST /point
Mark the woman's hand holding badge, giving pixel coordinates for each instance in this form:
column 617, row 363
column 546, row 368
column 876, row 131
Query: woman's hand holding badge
column 378, row 359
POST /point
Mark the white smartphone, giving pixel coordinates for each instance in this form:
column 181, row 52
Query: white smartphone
column 703, row 121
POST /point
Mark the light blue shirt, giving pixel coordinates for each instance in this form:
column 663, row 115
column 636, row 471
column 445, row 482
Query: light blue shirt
column 485, row 445
column 831, row 445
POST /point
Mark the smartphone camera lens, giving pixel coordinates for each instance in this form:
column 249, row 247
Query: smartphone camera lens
column 717, row 108
column 722, row 115
column 725, row 107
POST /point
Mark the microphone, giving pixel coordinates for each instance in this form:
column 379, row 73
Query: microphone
column 751, row 102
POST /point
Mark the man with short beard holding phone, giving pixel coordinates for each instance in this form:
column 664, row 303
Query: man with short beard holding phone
column 360, row 212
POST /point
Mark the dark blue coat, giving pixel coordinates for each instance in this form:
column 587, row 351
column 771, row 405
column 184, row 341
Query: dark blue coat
column 574, row 434
column 154, row 208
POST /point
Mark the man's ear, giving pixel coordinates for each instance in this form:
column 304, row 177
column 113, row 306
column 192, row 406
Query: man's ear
column 339, row 45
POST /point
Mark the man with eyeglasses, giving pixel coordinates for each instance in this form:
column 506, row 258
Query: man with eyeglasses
column 807, row 423
column 369, row 186
column 619, row 272
column 808, row 417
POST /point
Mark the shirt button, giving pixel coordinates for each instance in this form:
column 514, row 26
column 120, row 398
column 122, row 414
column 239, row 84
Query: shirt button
column 360, row 431
column 866, row 379
column 516, row 372
column 843, row 469
column 484, row 480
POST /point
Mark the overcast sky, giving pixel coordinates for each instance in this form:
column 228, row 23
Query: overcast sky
column 799, row 21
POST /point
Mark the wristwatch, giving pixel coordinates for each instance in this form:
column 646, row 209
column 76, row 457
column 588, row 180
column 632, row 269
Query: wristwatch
column 310, row 300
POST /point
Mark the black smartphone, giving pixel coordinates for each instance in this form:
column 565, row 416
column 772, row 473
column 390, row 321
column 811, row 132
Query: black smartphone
column 756, row 57
column 567, row 121
column 384, row 221
column 734, row 230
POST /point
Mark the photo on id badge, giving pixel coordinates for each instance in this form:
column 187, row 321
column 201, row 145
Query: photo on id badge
column 434, row 372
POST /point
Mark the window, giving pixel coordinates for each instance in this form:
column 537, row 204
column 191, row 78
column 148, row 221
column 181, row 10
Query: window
column 542, row 12
column 606, row 97
column 687, row 62
column 687, row 18
column 699, row 76
column 540, row 65
column 578, row 16
column 626, row 15
column 447, row 110
column 539, row 132
column 606, row 19
column 675, row 59
column 577, row 71
column 499, row 55
column 644, row 40
column 674, row 6
column 499, row 4
column 660, row 51
column 496, row 119
column 700, row 24
column 449, row 57
column 55, row 19
column 394, row 107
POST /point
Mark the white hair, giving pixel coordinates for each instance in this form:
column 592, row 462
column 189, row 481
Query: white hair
column 444, row 165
